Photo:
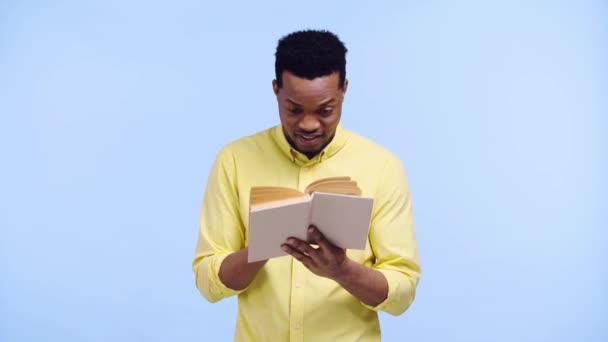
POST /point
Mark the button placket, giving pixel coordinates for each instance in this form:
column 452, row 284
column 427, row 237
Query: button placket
column 297, row 302
column 298, row 272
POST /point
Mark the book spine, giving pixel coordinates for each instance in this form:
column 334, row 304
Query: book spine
column 310, row 207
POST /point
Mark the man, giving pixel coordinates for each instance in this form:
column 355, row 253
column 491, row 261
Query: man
column 320, row 292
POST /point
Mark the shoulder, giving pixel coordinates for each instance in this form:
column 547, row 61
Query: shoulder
column 371, row 151
column 247, row 145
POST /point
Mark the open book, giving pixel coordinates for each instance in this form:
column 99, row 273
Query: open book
column 333, row 205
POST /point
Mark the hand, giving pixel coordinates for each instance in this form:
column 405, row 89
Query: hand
column 327, row 260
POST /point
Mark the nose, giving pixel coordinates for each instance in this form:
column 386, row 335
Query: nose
column 309, row 123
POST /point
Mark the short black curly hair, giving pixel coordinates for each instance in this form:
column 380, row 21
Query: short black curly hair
column 310, row 54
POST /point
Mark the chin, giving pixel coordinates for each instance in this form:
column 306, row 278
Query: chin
column 309, row 150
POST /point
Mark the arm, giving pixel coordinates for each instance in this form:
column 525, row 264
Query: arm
column 366, row 284
column 393, row 240
column 390, row 284
column 220, row 262
column 236, row 273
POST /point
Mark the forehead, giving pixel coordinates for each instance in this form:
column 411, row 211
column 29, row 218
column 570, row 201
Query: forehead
column 304, row 89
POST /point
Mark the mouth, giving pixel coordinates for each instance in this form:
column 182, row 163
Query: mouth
column 308, row 140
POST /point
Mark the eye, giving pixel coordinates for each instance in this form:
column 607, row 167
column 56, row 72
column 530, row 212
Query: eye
column 325, row 112
column 295, row 110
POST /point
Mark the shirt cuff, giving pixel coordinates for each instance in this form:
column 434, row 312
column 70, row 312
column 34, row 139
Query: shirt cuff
column 212, row 287
column 400, row 293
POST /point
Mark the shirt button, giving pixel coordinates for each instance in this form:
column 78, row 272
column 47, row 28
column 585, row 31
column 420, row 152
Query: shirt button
column 305, row 169
column 298, row 285
column 297, row 325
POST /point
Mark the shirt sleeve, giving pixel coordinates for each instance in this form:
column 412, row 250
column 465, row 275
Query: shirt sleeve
column 221, row 230
column 393, row 241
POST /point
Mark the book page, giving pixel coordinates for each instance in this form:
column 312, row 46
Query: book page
column 334, row 185
column 259, row 195
column 310, row 188
column 269, row 228
column 343, row 219
column 274, row 203
column 344, row 189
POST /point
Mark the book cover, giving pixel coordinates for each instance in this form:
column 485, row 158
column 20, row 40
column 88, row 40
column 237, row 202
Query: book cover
column 343, row 218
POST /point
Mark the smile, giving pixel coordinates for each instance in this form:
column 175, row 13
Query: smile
column 308, row 140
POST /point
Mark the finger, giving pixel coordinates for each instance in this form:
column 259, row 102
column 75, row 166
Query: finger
column 296, row 254
column 301, row 246
column 320, row 239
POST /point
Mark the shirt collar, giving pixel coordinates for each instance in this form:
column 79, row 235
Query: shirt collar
column 296, row 157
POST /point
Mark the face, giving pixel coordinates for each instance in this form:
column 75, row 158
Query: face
column 310, row 110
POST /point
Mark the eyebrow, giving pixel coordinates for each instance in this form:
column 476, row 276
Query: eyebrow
column 323, row 104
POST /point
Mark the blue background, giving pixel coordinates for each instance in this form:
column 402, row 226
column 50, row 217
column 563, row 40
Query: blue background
column 112, row 113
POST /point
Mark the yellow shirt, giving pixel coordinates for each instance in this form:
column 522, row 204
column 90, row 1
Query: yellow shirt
column 285, row 301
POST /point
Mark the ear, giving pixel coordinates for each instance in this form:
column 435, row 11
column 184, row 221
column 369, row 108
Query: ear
column 344, row 87
column 275, row 87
